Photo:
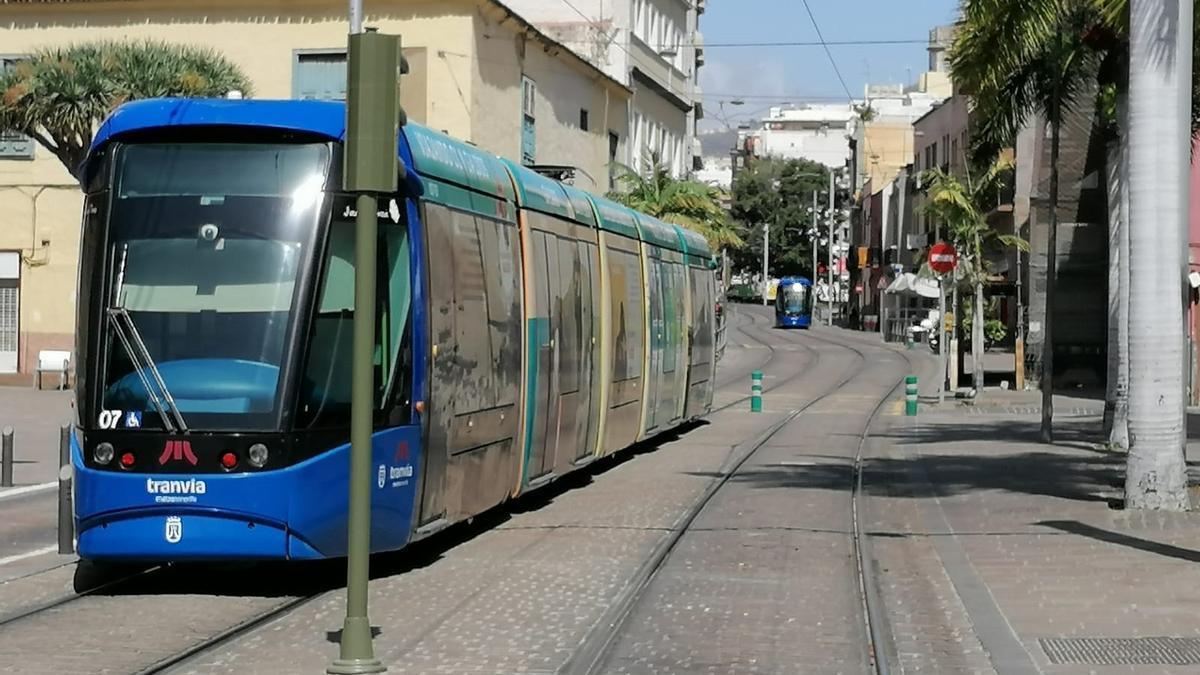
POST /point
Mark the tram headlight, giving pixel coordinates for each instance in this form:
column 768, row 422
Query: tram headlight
column 103, row 453
column 257, row 455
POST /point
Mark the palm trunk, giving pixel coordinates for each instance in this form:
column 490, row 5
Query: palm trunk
column 1120, row 430
column 1113, row 348
column 1116, row 404
column 1159, row 76
column 1047, row 378
column 977, row 341
column 977, row 346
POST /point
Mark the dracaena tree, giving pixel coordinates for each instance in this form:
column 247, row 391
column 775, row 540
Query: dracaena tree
column 59, row 95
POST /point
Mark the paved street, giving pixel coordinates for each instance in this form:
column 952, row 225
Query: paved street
column 27, row 529
column 991, row 553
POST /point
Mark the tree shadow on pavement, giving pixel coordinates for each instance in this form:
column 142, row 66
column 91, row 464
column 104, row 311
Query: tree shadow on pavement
column 1085, row 530
column 1038, row 473
column 1077, row 434
column 947, row 459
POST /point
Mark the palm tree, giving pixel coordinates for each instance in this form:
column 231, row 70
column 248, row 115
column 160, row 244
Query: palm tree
column 59, row 95
column 961, row 206
column 1111, row 34
column 687, row 203
column 1159, row 149
column 1016, row 59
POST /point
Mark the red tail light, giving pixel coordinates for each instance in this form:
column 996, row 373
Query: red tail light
column 229, row 460
column 127, row 460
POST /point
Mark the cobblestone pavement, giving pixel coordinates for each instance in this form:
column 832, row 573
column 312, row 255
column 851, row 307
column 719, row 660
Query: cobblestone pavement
column 765, row 580
column 521, row 596
column 35, row 417
column 28, row 511
column 994, row 554
column 998, row 553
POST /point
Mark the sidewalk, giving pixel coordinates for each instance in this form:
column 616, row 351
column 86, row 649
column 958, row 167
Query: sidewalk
column 999, row 554
column 35, row 417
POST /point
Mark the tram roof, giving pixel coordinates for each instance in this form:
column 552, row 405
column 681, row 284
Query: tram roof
column 539, row 193
column 584, row 211
column 695, row 244
column 617, row 218
column 659, row 233
column 433, row 154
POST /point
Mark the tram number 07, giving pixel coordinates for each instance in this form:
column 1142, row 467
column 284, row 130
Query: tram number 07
column 109, row 419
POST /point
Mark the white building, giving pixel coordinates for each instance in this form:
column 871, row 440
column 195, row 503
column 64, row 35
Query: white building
column 652, row 46
column 808, row 131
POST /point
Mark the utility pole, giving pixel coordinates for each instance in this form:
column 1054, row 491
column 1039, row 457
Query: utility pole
column 372, row 124
column 941, row 327
column 766, row 260
column 829, row 268
column 815, row 233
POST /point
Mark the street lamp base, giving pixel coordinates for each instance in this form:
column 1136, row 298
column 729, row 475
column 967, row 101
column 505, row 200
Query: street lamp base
column 357, row 656
column 355, row 667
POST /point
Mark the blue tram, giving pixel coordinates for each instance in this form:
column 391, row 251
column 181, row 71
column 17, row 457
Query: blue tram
column 523, row 329
column 794, row 303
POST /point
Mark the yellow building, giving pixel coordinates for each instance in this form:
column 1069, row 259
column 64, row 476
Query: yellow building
column 477, row 71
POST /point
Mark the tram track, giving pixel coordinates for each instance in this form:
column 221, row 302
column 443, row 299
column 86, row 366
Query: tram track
column 780, row 380
column 873, row 614
column 143, row 586
column 181, row 612
column 595, row 649
column 265, row 609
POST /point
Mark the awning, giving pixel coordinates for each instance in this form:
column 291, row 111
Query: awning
column 910, row 284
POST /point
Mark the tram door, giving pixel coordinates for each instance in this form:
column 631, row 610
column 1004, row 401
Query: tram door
column 655, row 338
column 573, row 349
column 546, row 327
column 668, row 389
column 565, row 326
column 589, row 365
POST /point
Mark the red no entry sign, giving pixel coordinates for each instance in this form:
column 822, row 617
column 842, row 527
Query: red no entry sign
column 942, row 258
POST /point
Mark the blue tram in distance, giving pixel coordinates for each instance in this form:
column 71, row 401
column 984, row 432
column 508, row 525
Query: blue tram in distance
column 794, row 303
column 524, row 328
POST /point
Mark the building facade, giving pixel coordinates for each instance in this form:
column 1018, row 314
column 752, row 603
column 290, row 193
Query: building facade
column 653, row 46
column 1081, row 289
column 809, row 131
column 478, row 71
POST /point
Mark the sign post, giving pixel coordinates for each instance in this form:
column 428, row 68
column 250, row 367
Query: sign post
column 942, row 260
column 372, row 126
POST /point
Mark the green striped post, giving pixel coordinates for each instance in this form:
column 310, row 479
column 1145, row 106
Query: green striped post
column 910, row 395
column 756, row 391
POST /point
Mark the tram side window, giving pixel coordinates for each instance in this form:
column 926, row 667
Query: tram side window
column 326, row 386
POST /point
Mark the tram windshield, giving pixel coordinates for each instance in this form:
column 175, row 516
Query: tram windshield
column 207, row 243
column 793, row 299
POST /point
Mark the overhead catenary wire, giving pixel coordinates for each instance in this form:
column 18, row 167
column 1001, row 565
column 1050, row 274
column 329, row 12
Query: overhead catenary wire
column 825, row 45
column 785, row 43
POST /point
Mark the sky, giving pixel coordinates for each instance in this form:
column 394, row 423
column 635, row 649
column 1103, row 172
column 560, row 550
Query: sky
column 762, row 76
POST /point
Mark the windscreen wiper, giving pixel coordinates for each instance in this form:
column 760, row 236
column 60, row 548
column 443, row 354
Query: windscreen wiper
column 131, row 339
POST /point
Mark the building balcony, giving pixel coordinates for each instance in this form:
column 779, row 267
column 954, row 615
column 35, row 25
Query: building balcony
column 656, row 72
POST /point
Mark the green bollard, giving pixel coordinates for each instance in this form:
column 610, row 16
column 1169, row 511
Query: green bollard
column 756, row 391
column 910, row 396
